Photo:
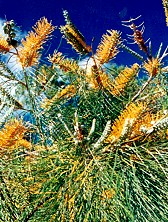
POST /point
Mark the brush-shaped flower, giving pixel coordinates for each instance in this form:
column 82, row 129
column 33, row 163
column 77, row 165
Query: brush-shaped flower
column 75, row 39
column 68, row 92
column 97, row 78
column 123, row 126
column 108, row 194
column 123, row 79
column 165, row 5
column 144, row 124
column 74, row 36
column 91, row 77
column 139, row 128
column 152, row 66
column 108, row 47
column 11, row 136
column 4, row 46
column 56, row 58
column 66, row 65
column 29, row 53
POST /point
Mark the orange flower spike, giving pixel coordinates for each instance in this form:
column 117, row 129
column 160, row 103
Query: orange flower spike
column 123, row 78
column 165, row 5
column 4, row 47
column 68, row 92
column 167, row 134
column 29, row 52
column 105, row 80
column 24, row 143
column 12, row 134
column 56, row 58
column 66, row 65
column 121, row 127
column 152, row 66
column 144, row 124
column 107, row 49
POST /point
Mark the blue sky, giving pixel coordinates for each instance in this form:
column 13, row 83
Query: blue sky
column 92, row 18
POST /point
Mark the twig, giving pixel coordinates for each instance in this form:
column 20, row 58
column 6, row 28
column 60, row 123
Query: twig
column 142, row 89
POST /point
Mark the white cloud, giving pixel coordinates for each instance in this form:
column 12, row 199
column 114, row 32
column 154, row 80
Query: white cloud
column 88, row 62
column 1, row 26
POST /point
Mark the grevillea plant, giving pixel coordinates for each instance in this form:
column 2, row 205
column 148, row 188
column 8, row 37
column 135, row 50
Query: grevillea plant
column 165, row 5
column 82, row 142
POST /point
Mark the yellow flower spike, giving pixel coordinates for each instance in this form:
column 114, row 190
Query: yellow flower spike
column 66, row 65
column 167, row 134
column 152, row 66
column 24, row 143
column 144, row 124
column 56, row 58
column 105, row 80
column 75, row 40
column 97, row 79
column 122, row 79
column 29, row 53
column 123, row 125
column 11, row 136
column 68, row 92
column 93, row 77
column 115, row 87
column 165, row 5
column 108, row 194
column 4, row 47
column 107, row 49
column 74, row 36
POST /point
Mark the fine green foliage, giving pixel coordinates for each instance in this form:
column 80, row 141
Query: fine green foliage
column 92, row 146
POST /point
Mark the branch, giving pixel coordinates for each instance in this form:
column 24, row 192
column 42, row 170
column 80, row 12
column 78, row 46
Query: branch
column 142, row 89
